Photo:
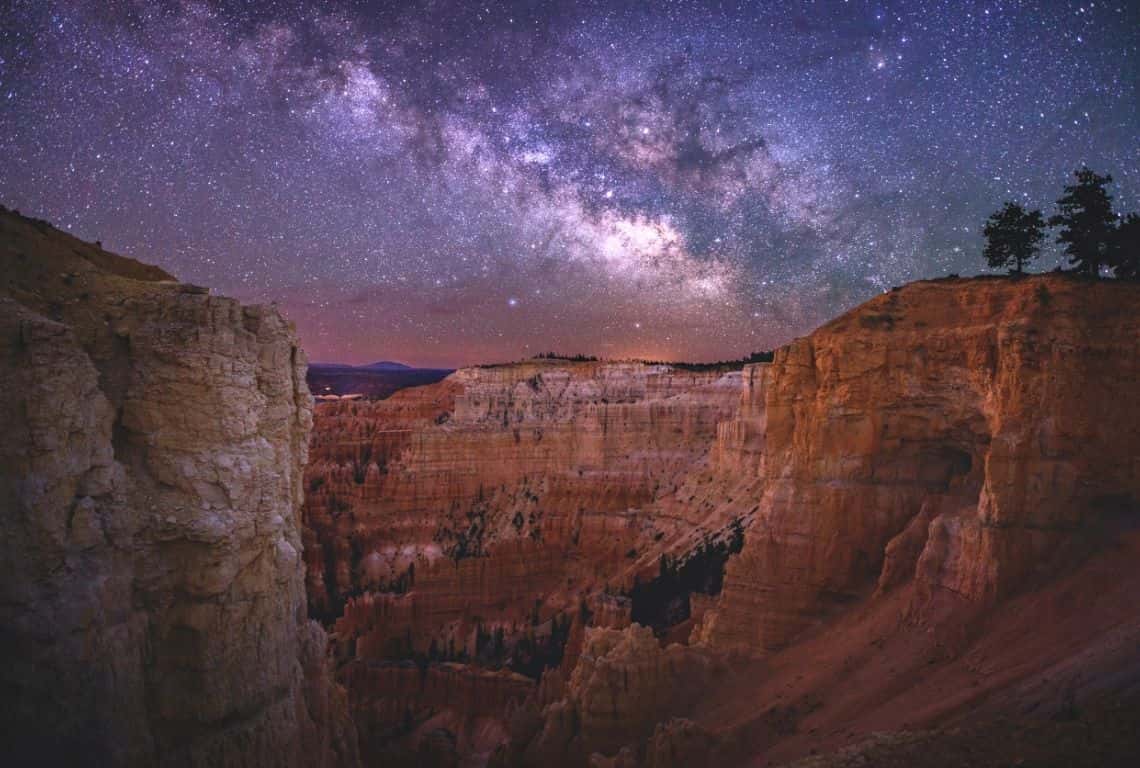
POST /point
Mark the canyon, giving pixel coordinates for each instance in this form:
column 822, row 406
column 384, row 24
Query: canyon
column 912, row 538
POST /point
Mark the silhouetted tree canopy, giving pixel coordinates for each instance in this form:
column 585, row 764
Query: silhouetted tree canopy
column 1094, row 237
column 1087, row 221
column 1013, row 237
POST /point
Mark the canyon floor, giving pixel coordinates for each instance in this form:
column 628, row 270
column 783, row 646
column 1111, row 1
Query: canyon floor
column 913, row 538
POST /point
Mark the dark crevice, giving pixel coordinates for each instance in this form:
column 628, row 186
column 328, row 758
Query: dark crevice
column 663, row 602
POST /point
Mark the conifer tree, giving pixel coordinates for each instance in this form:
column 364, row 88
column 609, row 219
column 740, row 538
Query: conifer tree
column 1013, row 237
column 1087, row 221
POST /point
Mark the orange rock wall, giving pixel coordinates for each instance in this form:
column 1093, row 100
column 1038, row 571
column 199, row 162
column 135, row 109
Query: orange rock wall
column 954, row 433
column 942, row 448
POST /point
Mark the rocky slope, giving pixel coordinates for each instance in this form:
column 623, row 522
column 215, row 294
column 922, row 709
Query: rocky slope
column 152, row 604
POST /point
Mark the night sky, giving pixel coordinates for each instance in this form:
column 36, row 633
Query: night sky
column 454, row 182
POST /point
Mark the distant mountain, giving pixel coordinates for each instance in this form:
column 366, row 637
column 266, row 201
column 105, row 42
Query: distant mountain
column 382, row 365
column 374, row 381
column 386, row 365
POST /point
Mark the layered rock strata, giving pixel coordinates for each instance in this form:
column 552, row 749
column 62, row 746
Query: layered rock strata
column 545, row 454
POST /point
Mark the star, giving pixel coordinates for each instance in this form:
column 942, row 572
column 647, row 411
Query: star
column 709, row 175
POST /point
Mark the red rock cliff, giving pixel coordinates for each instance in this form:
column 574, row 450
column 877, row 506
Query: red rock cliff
column 954, row 433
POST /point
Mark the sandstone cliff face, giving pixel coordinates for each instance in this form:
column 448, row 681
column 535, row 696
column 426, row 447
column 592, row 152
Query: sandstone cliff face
column 942, row 449
column 152, row 605
column 740, row 441
column 951, row 433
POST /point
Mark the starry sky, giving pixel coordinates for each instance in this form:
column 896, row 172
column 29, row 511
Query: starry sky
column 451, row 182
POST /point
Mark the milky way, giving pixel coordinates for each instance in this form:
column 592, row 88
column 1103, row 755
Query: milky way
column 451, row 182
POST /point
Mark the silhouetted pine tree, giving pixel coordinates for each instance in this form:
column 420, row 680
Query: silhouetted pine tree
column 1013, row 237
column 1086, row 220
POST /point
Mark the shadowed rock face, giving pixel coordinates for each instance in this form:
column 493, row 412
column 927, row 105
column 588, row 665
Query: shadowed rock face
column 152, row 606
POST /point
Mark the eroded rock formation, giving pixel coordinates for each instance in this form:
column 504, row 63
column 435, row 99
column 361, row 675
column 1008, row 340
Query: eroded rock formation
column 548, row 454
column 948, row 449
column 152, row 604
column 935, row 496
column 483, row 518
